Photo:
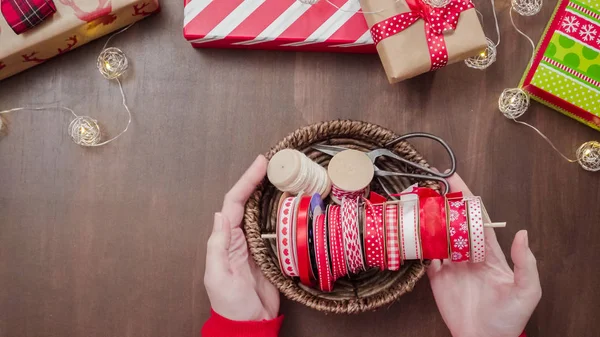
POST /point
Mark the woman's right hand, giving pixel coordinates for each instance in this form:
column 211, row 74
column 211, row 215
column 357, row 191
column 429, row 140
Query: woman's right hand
column 487, row 299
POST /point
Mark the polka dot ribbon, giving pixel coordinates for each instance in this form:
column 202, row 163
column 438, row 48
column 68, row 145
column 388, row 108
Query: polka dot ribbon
column 437, row 21
column 374, row 246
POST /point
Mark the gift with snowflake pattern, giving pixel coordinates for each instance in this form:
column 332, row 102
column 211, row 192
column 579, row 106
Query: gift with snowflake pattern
column 565, row 72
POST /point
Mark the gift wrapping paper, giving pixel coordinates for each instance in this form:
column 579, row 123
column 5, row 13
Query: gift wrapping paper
column 405, row 50
column 565, row 72
column 277, row 24
column 75, row 23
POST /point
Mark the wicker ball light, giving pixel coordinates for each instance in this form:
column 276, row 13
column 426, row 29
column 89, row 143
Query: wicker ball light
column 364, row 292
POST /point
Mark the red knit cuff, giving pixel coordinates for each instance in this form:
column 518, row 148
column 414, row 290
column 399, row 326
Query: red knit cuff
column 219, row 326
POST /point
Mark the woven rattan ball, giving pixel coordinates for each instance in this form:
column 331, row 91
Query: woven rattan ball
column 369, row 290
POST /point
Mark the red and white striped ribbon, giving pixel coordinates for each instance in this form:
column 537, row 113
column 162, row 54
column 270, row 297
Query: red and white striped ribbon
column 338, row 194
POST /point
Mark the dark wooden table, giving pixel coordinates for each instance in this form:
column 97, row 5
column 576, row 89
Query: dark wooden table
column 111, row 241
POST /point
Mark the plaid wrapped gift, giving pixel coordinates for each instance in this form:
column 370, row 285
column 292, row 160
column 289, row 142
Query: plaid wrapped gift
column 22, row 15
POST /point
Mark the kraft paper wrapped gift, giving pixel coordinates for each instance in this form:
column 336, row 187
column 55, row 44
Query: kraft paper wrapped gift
column 75, row 23
column 405, row 46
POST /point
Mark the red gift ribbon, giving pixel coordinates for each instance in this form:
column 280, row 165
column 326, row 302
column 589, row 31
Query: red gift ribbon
column 458, row 230
column 437, row 21
column 433, row 224
column 322, row 254
column 304, row 268
column 374, row 248
column 336, row 242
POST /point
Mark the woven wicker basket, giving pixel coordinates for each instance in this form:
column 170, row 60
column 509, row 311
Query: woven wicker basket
column 369, row 290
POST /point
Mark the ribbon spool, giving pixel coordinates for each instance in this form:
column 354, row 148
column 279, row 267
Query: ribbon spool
column 304, row 267
column 373, row 237
column 353, row 249
column 286, row 249
column 476, row 233
column 392, row 245
column 458, row 230
column 351, row 172
column 292, row 171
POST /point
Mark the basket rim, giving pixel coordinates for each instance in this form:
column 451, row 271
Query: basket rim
column 302, row 138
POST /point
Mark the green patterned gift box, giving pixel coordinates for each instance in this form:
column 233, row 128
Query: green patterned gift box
column 565, row 72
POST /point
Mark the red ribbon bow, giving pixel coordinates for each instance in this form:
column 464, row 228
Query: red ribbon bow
column 437, row 21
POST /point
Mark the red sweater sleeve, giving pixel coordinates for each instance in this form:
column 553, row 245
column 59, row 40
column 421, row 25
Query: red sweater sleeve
column 219, row 326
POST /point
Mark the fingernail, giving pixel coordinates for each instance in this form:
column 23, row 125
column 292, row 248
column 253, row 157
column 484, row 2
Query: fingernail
column 218, row 222
column 447, row 171
column 526, row 239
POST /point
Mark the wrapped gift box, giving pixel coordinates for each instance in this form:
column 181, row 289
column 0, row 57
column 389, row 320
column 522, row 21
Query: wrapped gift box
column 76, row 22
column 408, row 46
column 277, row 24
column 565, row 73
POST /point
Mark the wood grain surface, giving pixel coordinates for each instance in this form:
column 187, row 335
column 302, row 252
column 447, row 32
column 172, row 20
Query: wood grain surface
column 111, row 241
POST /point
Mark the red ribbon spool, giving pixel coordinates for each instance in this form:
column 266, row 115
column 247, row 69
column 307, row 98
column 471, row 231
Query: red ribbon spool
column 304, row 268
column 433, row 224
column 322, row 254
column 336, row 242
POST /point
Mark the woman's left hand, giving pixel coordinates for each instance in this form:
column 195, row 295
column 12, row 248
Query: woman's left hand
column 236, row 287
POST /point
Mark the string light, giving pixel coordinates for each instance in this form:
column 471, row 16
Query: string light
column 527, row 7
column 588, row 156
column 84, row 130
column 484, row 59
column 487, row 57
column 112, row 63
column 514, row 102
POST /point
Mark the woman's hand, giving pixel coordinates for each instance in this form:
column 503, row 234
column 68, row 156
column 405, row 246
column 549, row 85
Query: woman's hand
column 487, row 299
column 236, row 287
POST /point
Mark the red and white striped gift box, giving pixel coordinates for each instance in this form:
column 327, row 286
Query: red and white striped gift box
column 277, row 24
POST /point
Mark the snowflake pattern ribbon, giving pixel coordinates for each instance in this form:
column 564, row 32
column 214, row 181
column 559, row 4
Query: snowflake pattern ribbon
column 437, row 21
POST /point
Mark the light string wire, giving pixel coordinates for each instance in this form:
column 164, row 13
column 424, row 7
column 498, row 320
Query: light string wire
column 515, row 116
column 84, row 130
column 487, row 57
column 514, row 102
